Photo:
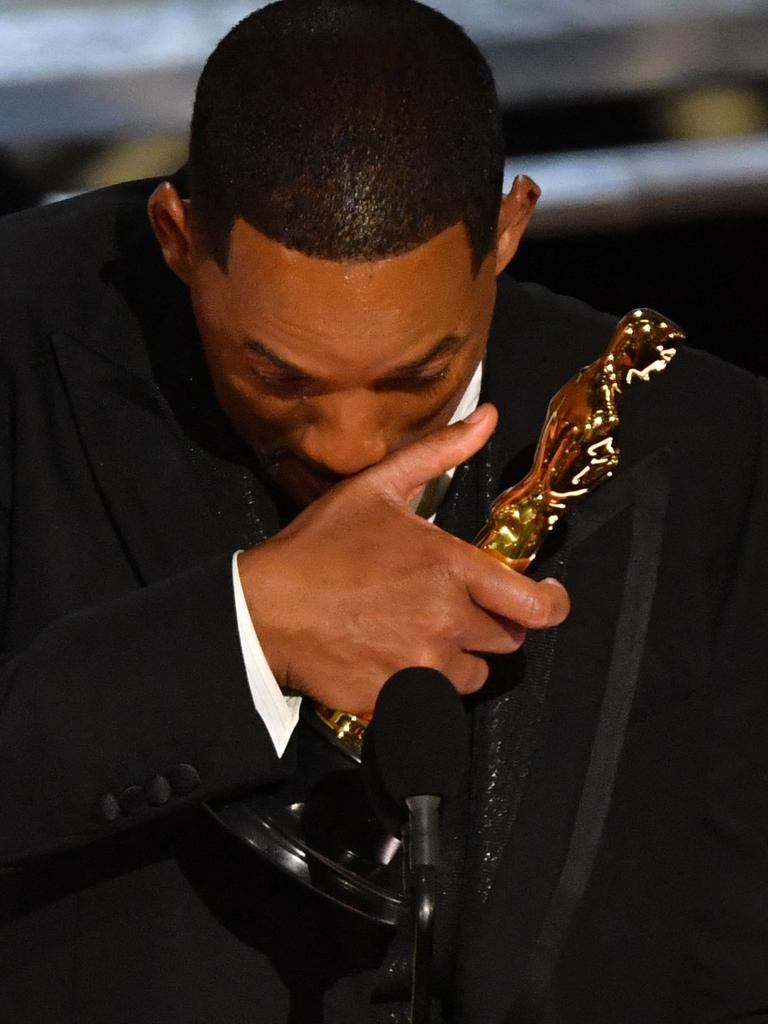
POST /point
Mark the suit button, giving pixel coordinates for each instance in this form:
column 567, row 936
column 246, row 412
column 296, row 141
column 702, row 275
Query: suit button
column 158, row 791
column 132, row 800
column 184, row 778
column 106, row 809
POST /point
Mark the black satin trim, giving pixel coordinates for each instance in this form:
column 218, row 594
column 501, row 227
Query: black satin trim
column 640, row 585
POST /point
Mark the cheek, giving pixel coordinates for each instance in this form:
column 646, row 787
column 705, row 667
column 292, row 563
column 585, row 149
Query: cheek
column 264, row 422
column 261, row 420
column 412, row 416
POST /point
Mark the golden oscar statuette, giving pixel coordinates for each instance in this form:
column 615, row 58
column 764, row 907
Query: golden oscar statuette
column 576, row 451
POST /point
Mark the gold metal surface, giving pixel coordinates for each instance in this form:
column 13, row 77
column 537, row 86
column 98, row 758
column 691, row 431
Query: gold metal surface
column 576, row 451
column 348, row 729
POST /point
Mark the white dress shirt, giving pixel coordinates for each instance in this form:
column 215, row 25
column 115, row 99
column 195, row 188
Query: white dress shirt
column 279, row 712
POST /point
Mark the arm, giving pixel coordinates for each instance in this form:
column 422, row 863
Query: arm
column 101, row 701
column 106, row 700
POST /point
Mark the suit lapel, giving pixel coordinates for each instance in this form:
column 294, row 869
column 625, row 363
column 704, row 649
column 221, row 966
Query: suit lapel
column 550, row 724
column 551, row 748
column 134, row 446
column 649, row 487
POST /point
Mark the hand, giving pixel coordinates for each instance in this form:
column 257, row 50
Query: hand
column 358, row 586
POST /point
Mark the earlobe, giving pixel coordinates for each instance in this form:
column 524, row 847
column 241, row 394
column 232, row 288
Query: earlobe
column 514, row 216
column 169, row 217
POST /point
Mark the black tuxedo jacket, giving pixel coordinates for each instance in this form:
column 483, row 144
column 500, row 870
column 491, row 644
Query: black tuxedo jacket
column 613, row 861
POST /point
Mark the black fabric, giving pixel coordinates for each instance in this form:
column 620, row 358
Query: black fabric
column 122, row 496
column 629, row 640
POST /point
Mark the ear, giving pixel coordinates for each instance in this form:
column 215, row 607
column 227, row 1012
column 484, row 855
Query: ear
column 515, row 213
column 169, row 217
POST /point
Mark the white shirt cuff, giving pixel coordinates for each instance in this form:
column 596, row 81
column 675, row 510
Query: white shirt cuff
column 278, row 712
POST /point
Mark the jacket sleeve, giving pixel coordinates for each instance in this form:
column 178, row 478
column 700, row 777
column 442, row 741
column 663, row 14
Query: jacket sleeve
column 728, row 963
column 119, row 713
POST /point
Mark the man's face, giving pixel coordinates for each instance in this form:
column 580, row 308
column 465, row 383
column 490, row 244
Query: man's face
column 325, row 367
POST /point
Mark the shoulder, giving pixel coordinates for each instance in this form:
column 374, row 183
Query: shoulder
column 96, row 225
column 59, row 262
column 708, row 412
column 572, row 333
column 559, row 326
column 58, row 252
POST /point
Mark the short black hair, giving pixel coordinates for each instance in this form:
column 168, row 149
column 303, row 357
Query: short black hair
column 347, row 130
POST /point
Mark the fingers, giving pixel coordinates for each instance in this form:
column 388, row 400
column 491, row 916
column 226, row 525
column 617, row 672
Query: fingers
column 485, row 633
column 468, row 672
column 403, row 473
column 510, row 595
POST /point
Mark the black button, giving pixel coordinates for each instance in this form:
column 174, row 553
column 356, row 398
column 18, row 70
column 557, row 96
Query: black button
column 106, row 809
column 184, row 778
column 132, row 800
column 158, row 791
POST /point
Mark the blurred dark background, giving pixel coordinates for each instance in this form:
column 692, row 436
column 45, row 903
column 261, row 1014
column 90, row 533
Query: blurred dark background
column 696, row 250
column 644, row 121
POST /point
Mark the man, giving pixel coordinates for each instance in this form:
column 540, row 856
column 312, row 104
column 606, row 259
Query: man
column 272, row 368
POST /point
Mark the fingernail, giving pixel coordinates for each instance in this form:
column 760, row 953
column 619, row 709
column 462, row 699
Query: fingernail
column 567, row 606
column 557, row 583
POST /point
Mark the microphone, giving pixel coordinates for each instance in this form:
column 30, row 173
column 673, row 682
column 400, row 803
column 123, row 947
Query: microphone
column 415, row 754
column 415, row 748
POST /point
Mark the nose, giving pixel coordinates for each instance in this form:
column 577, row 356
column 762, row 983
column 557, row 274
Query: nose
column 345, row 435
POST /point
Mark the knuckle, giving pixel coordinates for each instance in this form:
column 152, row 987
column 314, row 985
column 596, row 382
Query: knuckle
column 439, row 622
column 441, row 573
column 439, row 566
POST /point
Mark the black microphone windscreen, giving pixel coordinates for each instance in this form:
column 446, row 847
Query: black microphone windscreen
column 418, row 736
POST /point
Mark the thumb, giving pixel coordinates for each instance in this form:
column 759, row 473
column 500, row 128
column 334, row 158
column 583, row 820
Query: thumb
column 403, row 473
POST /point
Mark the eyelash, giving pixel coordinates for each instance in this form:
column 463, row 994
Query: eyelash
column 425, row 385
column 280, row 382
column 287, row 385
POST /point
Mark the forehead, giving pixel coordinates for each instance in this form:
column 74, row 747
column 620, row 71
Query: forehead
column 331, row 311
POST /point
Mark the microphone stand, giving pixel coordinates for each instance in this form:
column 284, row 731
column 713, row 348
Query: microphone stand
column 415, row 753
column 422, row 844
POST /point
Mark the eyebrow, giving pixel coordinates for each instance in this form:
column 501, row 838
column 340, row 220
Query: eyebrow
column 447, row 344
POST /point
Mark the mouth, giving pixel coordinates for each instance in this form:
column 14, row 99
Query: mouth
column 299, row 479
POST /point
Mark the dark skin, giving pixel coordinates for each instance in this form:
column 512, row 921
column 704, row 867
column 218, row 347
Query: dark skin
column 344, row 375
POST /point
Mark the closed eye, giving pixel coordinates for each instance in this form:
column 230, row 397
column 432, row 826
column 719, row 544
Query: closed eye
column 286, row 385
column 424, row 383
column 284, row 379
